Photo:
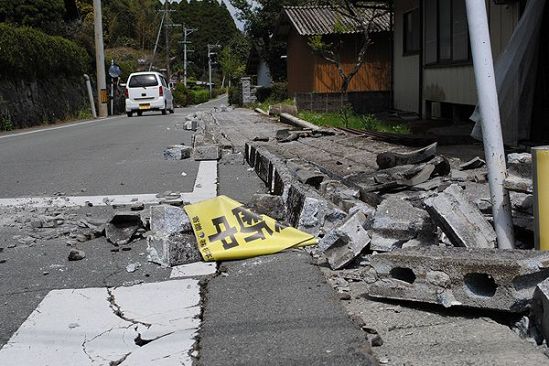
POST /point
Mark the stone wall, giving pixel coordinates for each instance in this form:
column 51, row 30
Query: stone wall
column 32, row 103
column 361, row 102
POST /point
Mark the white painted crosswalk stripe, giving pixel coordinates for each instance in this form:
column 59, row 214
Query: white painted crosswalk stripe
column 205, row 187
column 148, row 324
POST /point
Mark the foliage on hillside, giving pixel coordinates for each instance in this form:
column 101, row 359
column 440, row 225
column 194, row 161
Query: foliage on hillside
column 28, row 54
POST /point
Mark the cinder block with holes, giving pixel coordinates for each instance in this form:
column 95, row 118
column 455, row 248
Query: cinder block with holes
column 480, row 278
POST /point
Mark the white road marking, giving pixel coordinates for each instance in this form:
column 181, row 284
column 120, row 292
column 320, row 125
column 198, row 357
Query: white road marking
column 81, row 327
column 58, row 127
column 205, row 187
column 194, row 270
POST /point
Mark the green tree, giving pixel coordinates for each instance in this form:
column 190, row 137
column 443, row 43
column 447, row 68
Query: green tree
column 233, row 58
column 260, row 18
column 46, row 15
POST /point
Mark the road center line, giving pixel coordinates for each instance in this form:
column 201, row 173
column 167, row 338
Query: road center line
column 205, row 187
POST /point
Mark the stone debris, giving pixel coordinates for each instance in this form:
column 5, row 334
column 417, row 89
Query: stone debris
column 171, row 241
column 474, row 163
column 398, row 223
column 460, row 220
column 177, row 152
column 132, row 267
column 519, row 169
column 342, row 245
column 480, row 278
column 173, row 250
column 166, row 220
column 121, row 229
column 76, row 255
column 268, row 204
column 391, row 159
column 540, row 312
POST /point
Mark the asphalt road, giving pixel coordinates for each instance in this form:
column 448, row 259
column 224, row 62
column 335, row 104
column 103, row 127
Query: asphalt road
column 118, row 155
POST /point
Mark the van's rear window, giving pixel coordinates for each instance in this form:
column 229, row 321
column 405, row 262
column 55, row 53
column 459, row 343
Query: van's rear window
column 138, row 81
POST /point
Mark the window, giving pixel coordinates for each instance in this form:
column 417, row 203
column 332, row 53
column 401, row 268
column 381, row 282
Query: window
column 446, row 32
column 411, row 32
column 143, row 80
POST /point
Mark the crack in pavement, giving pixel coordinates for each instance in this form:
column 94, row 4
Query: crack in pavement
column 143, row 342
column 117, row 310
column 119, row 362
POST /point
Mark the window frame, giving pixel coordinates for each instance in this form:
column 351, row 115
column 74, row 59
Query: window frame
column 405, row 50
column 451, row 61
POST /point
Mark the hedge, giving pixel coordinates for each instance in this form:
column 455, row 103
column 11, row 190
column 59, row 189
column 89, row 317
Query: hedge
column 30, row 54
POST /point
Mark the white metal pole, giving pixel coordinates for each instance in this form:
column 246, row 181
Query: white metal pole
column 491, row 124
column 210, row 69
column 100, row 60
column 185, row 57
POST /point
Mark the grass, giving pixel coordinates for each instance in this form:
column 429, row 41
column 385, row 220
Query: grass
column 269, row 102
column 352, row 120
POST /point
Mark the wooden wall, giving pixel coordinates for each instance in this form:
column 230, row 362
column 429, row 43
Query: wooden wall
column 310, row 73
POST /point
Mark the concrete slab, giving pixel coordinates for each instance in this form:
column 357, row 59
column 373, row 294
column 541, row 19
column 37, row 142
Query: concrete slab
column 481, row 278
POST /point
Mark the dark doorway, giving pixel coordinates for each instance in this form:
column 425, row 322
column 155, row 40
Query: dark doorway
column 540, row 114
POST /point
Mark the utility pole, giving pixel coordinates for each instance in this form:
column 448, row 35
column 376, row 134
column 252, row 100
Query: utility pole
column 100, row 60
column 210, row 53
column 186, row 32
column 483, row 65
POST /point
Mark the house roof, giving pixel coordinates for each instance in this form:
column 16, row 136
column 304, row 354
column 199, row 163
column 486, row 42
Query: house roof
column 319, row 20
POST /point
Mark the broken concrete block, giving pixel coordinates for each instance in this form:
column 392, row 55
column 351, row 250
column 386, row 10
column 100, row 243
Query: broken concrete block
column 460, row 220
column 306, row 173
column 76, row 255
column 268, row 204
column 345, row 243
column 540, row 309
column 390, row 159
column 177, row 152
column 317, row 214
column 206, row 152
column 474, row 163
column 396, row 221
column 122, row 227
column 522, row 202
column 520, row 165
column 480, row 278
column 191, row 125
column 173, row 250
column 166, row 220
column 516, row 183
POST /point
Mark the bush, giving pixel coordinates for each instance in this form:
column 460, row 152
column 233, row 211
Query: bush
column 180, row 95
column 198, row 96
column 235, row 97
column 29, row 54
column 279, row 92
column 263, row 93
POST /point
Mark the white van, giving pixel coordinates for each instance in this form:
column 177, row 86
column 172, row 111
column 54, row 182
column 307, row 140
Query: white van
column 148, row 91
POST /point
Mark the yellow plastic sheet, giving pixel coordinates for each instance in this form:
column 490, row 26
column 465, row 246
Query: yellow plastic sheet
column 225, row 230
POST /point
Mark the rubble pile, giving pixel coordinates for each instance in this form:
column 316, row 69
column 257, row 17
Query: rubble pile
column 417, row 228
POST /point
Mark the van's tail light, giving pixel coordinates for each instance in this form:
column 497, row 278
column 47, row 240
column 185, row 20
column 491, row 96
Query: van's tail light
column 161, row 91
column 126, row 93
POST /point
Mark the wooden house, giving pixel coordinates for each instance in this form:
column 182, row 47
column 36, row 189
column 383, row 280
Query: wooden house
column 314, row 82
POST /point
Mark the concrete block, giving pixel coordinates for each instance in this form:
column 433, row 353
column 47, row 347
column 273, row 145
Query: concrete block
column 520, row 165
column 396, row 222
column 540, row 309
column 173, row 250
column 318, row 214
column 460, row 220
column 206, row 152
column 391, row 159
column 268, row 204
column 166, row 220
column 191, row 125
column 516, row 183
column 177, row 152
column 481, row 278
column 342, row 245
